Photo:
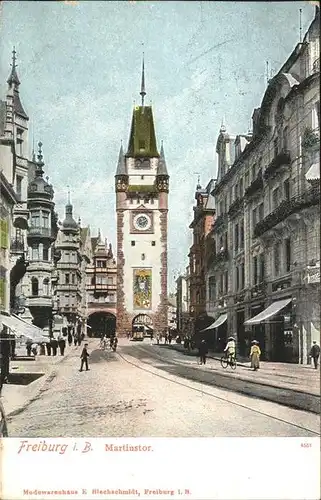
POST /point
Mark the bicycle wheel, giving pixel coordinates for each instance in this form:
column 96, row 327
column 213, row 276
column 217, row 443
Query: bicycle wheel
column 233, row 364
column 224, row 362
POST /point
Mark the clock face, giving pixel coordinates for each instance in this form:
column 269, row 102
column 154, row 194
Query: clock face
column 142, row 222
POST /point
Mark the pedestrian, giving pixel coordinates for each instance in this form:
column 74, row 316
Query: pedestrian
column 28, row 347
column 169, row 338
column 48, row 348
column 84, row 358
column 82, row 336
column 62, row 345
column 79, row 338
column 34, row 349
column 69, row 339
column 75, row 339
column 157, row 338
column 255, row 354
column 202, row 352
column 315, row 353
column 54, row 346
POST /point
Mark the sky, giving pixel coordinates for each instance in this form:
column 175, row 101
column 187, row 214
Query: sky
column 79, row 64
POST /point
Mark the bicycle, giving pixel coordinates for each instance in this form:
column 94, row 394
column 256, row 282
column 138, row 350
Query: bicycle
column 228, row 360
column 103, row 344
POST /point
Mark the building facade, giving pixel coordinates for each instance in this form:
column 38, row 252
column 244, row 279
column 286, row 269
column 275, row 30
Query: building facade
column 36, row 284
column 265, row 279
column 204, row 216
column 142, row 185
column 101, row 287
column 182, row 305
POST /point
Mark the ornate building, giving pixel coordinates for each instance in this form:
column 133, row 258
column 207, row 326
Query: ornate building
column 142, row 184
column 101, row 288
column 69, row 275
column 202, row 223
column 266, row 276
column 36, row 285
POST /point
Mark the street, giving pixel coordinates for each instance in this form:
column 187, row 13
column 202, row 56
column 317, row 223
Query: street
column 141, row 390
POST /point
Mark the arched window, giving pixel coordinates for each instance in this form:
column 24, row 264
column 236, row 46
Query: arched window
column 46, row 286
column 34, row 287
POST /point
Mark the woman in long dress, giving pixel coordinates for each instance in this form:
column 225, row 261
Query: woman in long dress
column 255, row 354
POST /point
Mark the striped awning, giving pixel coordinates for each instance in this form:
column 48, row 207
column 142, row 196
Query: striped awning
column 269, row 312
column 220, row 320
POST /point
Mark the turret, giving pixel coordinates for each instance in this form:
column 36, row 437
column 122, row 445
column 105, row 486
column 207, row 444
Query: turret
column 162, row 177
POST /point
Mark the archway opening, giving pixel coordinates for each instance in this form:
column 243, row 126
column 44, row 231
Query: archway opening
column 101, row 323
column 143, row 323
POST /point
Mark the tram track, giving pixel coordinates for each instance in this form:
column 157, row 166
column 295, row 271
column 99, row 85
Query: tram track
column 202, row 390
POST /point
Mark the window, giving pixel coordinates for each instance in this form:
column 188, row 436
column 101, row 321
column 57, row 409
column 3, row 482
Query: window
column 101, row 264
column 142, row 177
column 19, row 141
column 261, row 211
column 4, row 233
column 211, row 288
column 19, row 187
column 254, row 268
column 236, row 237
column 45, row 253
column 35, row 219
column 133, row 243
column 73, row 279
column 275, row 198
column 110, row 280
column 261, row 269
column 92, row 281
column 276, row 255
column 288, row 254
column 35, row 252
column 34, row 287
column 286, row 186
column 254, row 218
column 46, row 286
column 141, row 144
column 45, row 219
column 237, row 269
column 242, row 276
column 242, row 236
column 67, row 279
column 153, row 243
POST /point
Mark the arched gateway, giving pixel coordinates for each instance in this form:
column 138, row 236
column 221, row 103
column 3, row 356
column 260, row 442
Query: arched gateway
column 101, row 323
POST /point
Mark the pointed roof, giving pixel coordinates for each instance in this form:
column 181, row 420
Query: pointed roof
column 121, row 166
column 162, row 168
column 142, row 139
column 14, row 82
column 142, row 87
column 69, row 224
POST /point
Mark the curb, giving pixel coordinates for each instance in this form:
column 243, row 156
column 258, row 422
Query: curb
column 257, row 382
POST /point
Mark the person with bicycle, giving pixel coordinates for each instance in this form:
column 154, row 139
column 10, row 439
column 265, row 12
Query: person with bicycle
column 103, row 342
column 230, row 350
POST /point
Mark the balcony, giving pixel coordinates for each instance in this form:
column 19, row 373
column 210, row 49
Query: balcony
column 219, row 258
column 312, row 275
column 101, row 287
column 286, row 208
column 17, row 246
column 41, row 232
column 220, row 223
column 281, row 159
column 236, row 207
column 40, row 301
column 259, row 290
column 254, row 187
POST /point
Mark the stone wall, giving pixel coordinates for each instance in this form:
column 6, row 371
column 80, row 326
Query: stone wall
column 160, row 318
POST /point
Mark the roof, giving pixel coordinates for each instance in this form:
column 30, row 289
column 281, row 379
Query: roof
column 162, row 168
column 2, row 116
column 83, row 234
column 69, row 223
column 142, row 139
column 94, row 241
column 17, row 106
column 121, row 166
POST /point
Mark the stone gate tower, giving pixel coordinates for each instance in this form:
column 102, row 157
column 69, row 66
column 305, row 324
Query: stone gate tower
column 141, row 184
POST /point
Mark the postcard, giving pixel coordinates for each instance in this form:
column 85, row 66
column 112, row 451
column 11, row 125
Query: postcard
column 160, row 250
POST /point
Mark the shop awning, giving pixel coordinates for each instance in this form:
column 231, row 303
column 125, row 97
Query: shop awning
column 313, row 173
column 270, row 311
column 22, row 328
column 220, row 320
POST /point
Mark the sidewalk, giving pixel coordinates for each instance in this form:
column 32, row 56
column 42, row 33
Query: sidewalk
column 299, row 378
column 41, row 370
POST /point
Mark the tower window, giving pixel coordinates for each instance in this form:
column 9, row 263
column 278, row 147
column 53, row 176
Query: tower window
column 34, row 287
column 46, row 287
column 142, row 177
column 153, row 243
column 45, row 253
column 133, row 243
column 141, row 144
column 67, row 279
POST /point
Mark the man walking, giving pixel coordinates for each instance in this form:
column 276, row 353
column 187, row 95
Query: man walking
column 202, row 352
column 315, row 353
column 84, row 358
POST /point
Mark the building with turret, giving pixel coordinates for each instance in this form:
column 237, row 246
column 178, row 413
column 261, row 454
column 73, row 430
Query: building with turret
column 142, row 185
column 101, row 288
column 36, row 285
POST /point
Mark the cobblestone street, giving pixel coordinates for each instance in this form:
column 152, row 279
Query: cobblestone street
column 122, row 395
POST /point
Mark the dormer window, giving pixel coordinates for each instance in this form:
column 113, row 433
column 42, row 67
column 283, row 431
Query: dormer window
column 141, row 145
column 19, row 141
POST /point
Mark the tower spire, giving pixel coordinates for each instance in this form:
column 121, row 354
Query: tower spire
column 13, row 78
column 142, row 88
column 40, row 163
